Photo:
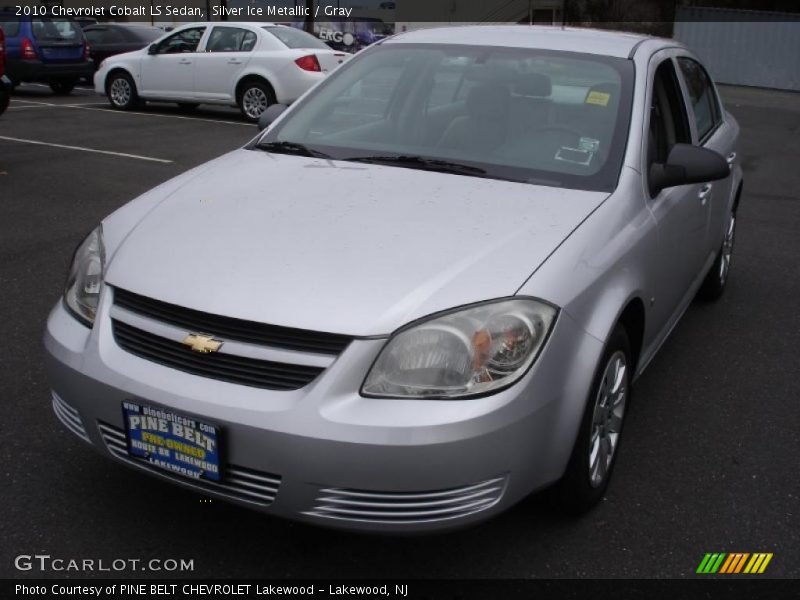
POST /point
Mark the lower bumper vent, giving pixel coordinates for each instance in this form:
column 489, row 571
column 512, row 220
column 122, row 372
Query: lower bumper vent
column 240, row 483
column 69, row 417
column 407, row 507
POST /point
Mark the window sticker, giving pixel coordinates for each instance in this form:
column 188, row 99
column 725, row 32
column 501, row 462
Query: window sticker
column 589, row 144
column 598, row 98
column 576, row 156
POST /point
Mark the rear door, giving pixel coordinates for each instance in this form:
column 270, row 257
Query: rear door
column 169, row 73
column 227, row 51
column 58, row 40
column 709, row 130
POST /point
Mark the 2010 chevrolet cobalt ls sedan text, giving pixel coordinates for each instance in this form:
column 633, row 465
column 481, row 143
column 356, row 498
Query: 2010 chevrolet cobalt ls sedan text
column 422, row 293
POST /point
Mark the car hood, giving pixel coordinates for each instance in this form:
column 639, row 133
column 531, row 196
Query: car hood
column 336, row 246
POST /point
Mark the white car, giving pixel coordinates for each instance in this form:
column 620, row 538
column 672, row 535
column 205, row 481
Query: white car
column 249, row 65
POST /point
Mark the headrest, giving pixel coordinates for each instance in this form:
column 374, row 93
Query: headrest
column 533, row 84
column 488, row 101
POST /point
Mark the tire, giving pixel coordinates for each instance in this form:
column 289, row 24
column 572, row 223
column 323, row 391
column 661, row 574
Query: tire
column 714, row 284
column 62, row 87
column 187, row 106
column 587, row 475
column 121, row 91
column 254, row 98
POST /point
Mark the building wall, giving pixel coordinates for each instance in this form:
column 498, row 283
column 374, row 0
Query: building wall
column 752, row 48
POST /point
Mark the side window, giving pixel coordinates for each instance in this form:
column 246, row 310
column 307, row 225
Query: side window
column 183, row 41
column 707, row 113
column 112, row 36
column 230, row 39
column 10, row 26
column 94, row 35
column 669, row 124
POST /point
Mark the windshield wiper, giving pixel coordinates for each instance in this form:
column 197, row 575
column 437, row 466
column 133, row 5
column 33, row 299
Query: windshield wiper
column 418, row 162
column 291, row 148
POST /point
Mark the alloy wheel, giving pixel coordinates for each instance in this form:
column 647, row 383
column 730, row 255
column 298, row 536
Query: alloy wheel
column 120, row 92
column 609, row 410
column 254, row 102
column 727, row 250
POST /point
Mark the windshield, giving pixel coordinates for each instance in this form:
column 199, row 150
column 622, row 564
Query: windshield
column 55, row 29
column 553, row 118
column 295, row 38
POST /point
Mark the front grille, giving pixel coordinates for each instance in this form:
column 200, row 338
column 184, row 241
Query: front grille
column 69, row 417
column 228, row 328
column 407, row 507
column 246, row 485
column 225, row 367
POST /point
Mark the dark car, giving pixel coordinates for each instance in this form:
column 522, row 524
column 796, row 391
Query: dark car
column 50, row 50
column 84, row 22
column 107, row 39
column 5, row 83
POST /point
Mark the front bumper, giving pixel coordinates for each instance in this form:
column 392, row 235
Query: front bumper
column 36, row 70
column 326, row 455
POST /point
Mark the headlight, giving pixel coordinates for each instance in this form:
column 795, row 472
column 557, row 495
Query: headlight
column 470, row 352
column 85, row 281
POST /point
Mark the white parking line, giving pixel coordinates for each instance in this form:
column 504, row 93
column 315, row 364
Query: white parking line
column 95, row 105
column 81, row 149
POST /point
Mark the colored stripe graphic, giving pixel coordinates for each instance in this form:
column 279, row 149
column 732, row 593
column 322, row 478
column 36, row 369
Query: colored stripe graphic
column 758, row 563
column 724, row 563
column 711, row 563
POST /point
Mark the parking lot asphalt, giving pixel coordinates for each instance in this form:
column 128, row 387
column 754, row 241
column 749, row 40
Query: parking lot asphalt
column 709, row 461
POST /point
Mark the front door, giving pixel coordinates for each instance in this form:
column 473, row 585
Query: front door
column 169, row 73
column 682, row 212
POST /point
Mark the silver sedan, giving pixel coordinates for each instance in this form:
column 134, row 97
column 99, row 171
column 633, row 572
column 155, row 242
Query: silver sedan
column 423, row 292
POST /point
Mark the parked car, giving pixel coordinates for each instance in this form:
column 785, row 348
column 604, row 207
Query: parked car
column 85, row 22
column 422, row 293
column 249, row 65
column 109, row 39
column 5, row 82
column 49, row 50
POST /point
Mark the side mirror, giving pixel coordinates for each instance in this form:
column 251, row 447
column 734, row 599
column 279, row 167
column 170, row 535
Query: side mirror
column 687, row 164
column 268, row 116
column 152, row 49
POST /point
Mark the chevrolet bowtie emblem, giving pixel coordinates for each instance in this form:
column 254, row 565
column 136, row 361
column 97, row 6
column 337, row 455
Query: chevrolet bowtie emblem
column 202, row 343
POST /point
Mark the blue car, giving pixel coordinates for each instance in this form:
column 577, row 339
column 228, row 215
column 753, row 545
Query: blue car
column 45, row 49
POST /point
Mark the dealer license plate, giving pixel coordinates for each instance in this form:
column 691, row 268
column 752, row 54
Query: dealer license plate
column 178, row 444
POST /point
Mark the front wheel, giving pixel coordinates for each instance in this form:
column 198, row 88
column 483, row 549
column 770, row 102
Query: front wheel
column 254, row 99
column 714, row 283
column 122, row 91
column 62, row 87
column 593, row 456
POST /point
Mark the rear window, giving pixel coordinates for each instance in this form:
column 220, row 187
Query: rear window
column 9, row 25
column 295, row 38
column 55, row 30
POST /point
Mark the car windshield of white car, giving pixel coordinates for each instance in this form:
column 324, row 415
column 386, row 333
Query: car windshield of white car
column 539, row 116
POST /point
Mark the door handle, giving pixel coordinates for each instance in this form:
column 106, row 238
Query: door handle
column 705, row 192
column 234, row 61
column 731, row 158
column 184, row 61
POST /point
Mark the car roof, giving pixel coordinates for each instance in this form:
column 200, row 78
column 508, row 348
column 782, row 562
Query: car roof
column 569, row 39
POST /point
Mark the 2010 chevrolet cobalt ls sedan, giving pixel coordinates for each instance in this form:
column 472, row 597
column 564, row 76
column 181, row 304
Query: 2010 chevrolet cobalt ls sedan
column 422, row 293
